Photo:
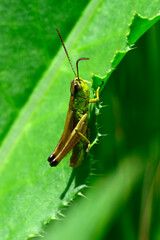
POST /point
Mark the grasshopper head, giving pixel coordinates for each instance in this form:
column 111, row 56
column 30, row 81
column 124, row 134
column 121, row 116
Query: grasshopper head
column 75, row 86
column 79, row 88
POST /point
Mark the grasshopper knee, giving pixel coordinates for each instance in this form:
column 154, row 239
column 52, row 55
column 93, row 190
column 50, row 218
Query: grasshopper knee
column 54, row 163
column 51, row 157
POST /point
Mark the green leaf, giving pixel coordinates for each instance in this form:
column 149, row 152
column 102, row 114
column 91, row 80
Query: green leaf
column 31, row 192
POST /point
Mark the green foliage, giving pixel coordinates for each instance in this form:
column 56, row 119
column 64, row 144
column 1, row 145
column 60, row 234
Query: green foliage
column 34, row 83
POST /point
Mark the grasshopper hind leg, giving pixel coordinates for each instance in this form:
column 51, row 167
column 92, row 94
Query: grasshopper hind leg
column 74, row 142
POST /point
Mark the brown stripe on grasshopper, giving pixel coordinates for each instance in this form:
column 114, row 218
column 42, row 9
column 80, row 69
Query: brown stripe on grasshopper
column 73, row 136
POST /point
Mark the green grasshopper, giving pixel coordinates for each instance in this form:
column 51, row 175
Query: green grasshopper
column 73, row 136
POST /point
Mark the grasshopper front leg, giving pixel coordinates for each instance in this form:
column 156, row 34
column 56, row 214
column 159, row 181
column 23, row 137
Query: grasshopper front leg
column 97, row 95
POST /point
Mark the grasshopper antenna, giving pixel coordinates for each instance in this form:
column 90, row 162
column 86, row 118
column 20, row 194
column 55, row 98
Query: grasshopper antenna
column 77, row 65
column 66, row 52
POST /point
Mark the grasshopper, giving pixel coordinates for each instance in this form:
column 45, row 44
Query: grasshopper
column 74, row 134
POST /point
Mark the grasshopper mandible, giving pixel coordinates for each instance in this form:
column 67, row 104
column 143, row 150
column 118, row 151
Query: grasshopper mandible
column 73, row 136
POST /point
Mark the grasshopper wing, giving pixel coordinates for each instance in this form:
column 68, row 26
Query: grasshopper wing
column 65, row 135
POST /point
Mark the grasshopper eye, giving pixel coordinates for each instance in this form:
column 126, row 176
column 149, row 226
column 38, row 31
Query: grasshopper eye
column 77, row 87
